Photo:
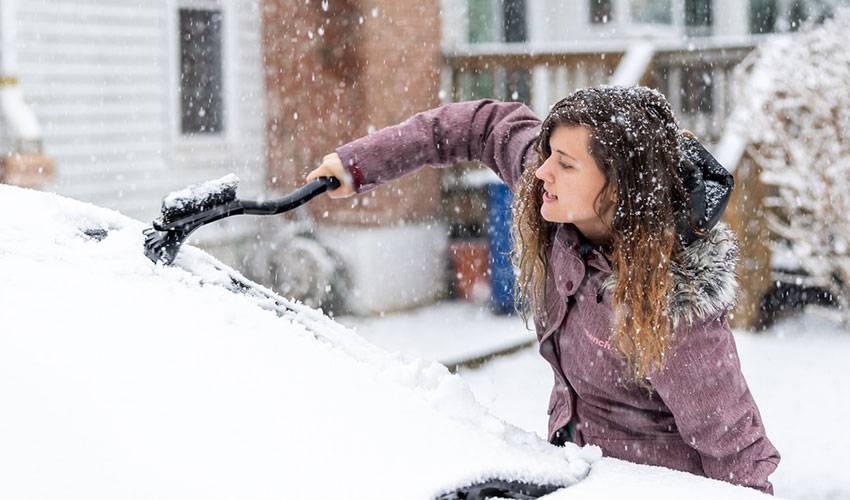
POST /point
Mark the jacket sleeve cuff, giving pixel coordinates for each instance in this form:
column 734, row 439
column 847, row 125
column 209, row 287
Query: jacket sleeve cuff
column 352, row 168
column 349, row 155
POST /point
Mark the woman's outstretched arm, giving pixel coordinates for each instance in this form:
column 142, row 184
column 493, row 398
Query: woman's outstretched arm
column 498, row 134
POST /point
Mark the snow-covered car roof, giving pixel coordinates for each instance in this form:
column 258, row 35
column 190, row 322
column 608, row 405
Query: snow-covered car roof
column 122, row 379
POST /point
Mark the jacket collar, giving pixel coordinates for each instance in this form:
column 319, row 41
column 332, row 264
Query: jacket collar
column 570, row 240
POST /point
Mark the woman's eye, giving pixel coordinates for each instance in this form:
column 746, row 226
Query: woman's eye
column 564, row 165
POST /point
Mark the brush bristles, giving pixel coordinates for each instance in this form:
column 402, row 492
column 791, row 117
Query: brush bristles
column 198, row 198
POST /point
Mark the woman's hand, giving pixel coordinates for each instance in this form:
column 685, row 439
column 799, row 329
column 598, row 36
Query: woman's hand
column 332, row 167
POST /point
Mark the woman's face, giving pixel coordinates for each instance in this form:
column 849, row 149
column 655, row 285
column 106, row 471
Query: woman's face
column 572, row 180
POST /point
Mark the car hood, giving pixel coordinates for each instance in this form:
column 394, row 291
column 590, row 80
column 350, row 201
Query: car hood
column 124, row 379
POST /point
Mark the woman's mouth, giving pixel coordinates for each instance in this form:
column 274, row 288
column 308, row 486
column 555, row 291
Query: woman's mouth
column 549, row 198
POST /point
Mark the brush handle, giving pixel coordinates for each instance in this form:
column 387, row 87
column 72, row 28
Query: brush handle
column 292, row 200
column 238, row 207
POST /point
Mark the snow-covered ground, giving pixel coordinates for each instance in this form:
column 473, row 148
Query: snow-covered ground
column 448, row 332
column 797, row 372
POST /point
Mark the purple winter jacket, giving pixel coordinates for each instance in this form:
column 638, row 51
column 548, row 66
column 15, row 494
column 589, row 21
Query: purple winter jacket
column 701, row 417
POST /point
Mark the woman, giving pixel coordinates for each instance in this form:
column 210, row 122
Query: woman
column 621, row 265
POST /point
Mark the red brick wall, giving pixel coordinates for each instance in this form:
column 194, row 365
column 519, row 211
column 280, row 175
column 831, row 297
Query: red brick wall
column 333, row 74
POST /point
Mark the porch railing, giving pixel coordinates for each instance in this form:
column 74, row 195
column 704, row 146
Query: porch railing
column 694, row 74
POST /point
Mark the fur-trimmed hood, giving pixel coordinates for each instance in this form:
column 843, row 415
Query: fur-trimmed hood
column 706, row 282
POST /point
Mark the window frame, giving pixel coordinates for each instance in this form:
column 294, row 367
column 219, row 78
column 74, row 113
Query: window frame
column 697, row 97
column 227, row 136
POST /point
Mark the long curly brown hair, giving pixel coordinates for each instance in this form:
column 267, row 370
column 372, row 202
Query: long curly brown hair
column 634, row 140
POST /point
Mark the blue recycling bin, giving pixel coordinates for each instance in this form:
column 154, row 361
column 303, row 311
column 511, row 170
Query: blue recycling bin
column 499, row 234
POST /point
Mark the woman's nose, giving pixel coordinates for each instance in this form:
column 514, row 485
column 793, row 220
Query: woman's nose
column 543, row 172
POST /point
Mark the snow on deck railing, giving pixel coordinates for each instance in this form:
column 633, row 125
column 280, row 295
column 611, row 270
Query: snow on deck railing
column 584, row 47
column 634, row 64
column 730, row 149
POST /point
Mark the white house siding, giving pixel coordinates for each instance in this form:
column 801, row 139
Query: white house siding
column 556, row 20
column 731, row 18
column 455, row 23
column 102, row 77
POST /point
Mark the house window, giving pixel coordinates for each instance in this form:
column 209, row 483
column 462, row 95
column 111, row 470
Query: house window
column 698, row 17
column 514, row 20
column 698, row 13
column 797, row 15
column 763, row 14
column 497, row 21
column 201, row 76
column 697, row 90
column 482, row 85
column 768, row 16
column 652, row 11
column 601, row 11
column 481, row 22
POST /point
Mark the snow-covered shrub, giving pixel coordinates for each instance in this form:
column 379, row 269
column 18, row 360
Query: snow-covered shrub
column 793, row 109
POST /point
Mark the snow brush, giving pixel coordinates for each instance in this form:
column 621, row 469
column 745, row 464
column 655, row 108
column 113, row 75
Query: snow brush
column 185, row 211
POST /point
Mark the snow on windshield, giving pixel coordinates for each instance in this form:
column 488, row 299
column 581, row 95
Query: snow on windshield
column 122, row 379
